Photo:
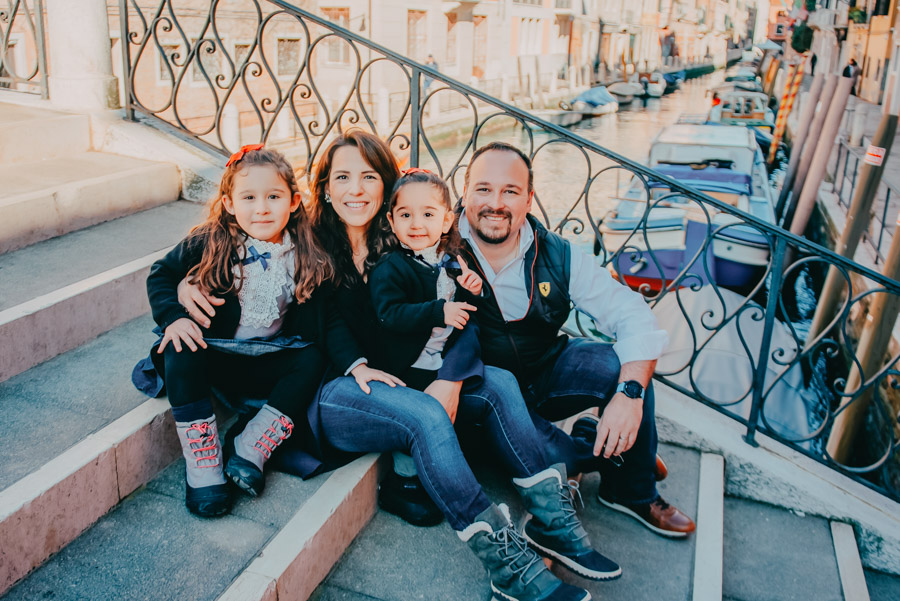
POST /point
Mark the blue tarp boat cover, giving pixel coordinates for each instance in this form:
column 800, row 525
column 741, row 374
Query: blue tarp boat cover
column 598, row 96
column 674, row 76
column 709, row 179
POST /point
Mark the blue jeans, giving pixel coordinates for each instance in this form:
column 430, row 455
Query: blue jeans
column 402, row 419
column 585, row 375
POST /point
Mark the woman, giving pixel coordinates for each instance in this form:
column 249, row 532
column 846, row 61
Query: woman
column 363, row 409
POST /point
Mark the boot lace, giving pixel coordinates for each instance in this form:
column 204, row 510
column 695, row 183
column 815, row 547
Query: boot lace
column 204, row 445
column 280, row 429
column 569, row 492
column 516, row 553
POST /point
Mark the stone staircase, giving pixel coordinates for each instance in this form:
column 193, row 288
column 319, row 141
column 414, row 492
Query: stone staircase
column 91, row 479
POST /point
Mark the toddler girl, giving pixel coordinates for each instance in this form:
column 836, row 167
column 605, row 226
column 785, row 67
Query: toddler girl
column 422, row 294
column 257, row 252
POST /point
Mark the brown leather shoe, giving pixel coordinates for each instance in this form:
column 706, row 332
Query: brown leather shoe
column 661, row 470
column 658, row 516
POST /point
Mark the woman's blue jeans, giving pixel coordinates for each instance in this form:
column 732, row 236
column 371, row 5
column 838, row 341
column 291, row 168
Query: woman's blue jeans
column 402, row 419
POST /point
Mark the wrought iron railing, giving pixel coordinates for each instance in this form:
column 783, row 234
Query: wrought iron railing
column 23, row 62
column 740, row 348
column 843, row 172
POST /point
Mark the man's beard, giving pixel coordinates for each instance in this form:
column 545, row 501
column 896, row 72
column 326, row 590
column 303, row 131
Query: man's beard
column 497, row 238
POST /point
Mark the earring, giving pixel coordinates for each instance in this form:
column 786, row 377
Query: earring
column 328, row 198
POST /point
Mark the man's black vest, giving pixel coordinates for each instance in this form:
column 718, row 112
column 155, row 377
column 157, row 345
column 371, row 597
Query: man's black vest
column 526, row 345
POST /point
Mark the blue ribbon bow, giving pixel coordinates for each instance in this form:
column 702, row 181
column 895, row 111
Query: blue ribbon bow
column 255, row 256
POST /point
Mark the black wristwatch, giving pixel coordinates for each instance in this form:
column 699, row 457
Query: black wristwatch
column 632, row 389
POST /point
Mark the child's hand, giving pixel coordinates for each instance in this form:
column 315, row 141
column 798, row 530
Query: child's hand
column 469, row 280
column 364, row 374
column 182, row 330
column 456, row 314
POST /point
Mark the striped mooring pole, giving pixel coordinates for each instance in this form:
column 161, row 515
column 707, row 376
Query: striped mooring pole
column 791, row 85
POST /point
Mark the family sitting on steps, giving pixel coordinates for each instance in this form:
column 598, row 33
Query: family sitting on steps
column 375, row 318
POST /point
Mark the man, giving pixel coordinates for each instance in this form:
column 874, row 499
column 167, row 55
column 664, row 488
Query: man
column 532, row 279
column 431, row 63
column 852, row 71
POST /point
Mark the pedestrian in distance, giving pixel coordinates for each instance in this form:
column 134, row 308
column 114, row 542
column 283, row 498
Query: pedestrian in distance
column 431, row 63
column 852, row 71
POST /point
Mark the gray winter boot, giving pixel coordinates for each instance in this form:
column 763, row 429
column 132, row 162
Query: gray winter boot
column 554, row 529
column 254, row 446
column 206, row 491
column 517, row 573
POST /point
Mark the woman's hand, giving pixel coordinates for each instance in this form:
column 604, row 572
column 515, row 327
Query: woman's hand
column 469, row 280
column 197, row 303
column 447, row 394
column 456, row 314
column 182, row 330
column 364, row 374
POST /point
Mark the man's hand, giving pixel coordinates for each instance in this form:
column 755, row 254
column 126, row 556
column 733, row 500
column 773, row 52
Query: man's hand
column 198, row 304
column 182, row 330
column 456, row 314
column 365, row 374
column 469, row 280
column 447, row 394
column 618, row 425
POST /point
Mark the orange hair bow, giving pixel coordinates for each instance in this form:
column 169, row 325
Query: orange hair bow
column 412, row 170
column 240, row 153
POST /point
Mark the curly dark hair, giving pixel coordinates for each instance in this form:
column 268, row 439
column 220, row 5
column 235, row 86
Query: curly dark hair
column 329, row 228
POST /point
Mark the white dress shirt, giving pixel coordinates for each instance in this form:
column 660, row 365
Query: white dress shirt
column 617, row 311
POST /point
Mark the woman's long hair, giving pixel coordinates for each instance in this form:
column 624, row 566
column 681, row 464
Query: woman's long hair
column 221, row 236
column 330, row 230
column 451, row 242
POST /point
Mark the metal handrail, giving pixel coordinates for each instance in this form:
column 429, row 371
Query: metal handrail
column 874, row 238
column 23, row 78
column 764, row 324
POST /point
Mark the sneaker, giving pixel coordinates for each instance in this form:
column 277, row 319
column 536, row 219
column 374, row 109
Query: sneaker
column 659, row 516
column 407, row 499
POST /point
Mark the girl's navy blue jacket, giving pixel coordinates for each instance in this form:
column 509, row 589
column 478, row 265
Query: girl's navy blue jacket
column 315, row 320
column 404, row 295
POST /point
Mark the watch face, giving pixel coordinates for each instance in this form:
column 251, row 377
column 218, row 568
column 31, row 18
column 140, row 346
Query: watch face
column 633, row 389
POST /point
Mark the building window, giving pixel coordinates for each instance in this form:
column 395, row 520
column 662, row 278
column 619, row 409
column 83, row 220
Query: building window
column 451, row 39
column 338, row 49
column 169, row 50
column 532, row 2
column 241, row 54
column 211, row 62
column 479, row 58
column 415, row 34
column 288, row 57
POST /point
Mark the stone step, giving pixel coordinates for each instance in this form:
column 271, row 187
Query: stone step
column 772, row 553
column 71, row 288
column 47, row 198
column 393, row 561
column 77, row 438
column 150, row 547
column 35, row 134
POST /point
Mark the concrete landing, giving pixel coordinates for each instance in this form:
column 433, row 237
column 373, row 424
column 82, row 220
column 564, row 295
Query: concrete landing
column 772, row 554
column 33, row 134
column 52, row 406
column 150, row 547
column 393, row 561
column 46, row 198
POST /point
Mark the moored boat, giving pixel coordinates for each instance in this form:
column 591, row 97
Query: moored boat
column 625, row 91
column 653, row 84
column 595, row 101
column 670, row 236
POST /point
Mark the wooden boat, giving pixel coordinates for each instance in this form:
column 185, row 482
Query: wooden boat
column 723, row 161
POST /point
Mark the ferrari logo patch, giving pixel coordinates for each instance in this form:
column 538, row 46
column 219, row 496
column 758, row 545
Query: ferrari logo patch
column 544, row 287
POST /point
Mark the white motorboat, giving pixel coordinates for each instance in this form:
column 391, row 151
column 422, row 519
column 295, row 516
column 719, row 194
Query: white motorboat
column 723, row 161
column 653, row 84
column 559, row 117
column 625, row 91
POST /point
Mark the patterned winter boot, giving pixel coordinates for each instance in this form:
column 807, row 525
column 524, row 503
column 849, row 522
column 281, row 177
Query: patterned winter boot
column 206, row 490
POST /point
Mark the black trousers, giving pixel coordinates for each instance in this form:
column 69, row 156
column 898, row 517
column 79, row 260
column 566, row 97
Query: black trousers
column 288, row 378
